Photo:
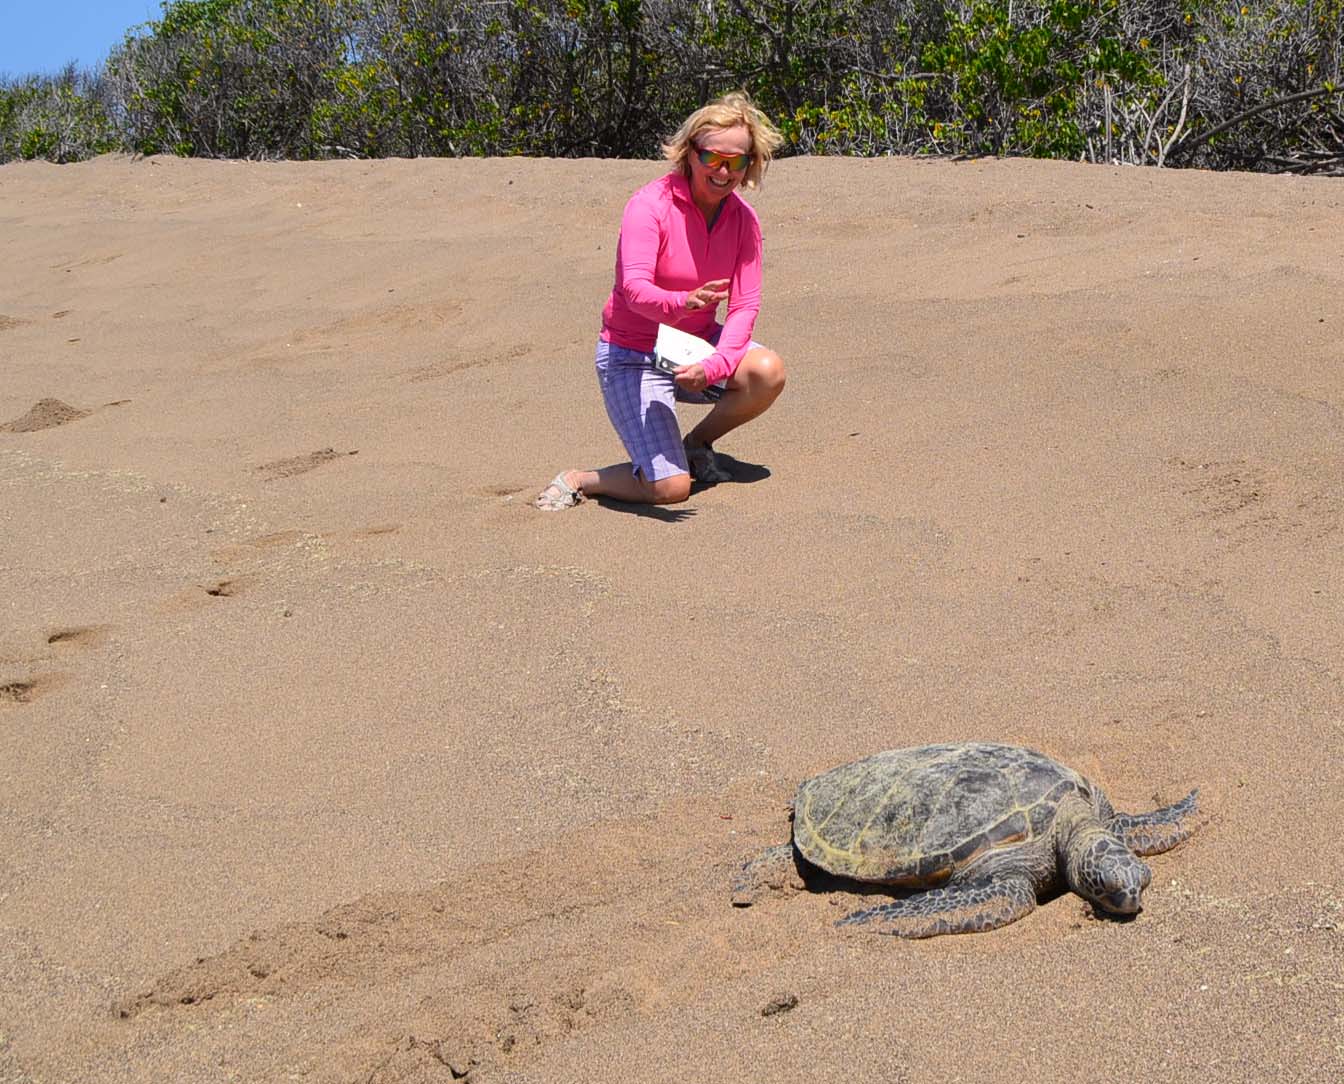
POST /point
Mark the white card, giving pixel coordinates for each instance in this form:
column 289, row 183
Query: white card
column 674, row 348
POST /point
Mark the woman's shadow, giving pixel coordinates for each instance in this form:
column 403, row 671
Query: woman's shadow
column 741, row 473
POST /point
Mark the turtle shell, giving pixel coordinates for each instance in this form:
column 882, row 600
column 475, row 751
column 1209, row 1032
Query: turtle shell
column 913, row 817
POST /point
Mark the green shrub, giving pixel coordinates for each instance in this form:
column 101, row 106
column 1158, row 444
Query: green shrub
column 1250, row 85
column 62, row 118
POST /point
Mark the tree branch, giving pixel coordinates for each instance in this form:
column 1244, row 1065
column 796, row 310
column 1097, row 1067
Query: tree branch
column 1188, row 145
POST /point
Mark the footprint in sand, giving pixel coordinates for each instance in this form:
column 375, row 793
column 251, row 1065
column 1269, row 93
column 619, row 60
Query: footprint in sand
column 300, row 464
column 503, row 489
column 438, row 369
column 26, row 690
column 239, row 552
column 522, row 1027
column 79, row 635
column 200, row 595
column 17, row 692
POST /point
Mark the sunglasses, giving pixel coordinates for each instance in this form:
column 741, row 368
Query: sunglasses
column 713, row 159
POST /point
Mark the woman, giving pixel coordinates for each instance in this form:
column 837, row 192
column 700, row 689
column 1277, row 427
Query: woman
column 688, row 241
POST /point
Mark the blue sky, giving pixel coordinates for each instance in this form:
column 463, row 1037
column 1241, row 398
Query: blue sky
column 42, row 36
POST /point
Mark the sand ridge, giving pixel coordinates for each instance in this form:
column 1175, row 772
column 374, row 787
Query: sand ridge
column 328, row 758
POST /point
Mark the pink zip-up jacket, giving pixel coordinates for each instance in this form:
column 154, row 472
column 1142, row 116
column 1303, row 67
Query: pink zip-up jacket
column 665, row 252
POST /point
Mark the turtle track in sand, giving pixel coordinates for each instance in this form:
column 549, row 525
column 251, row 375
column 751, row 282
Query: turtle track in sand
column 513, row 966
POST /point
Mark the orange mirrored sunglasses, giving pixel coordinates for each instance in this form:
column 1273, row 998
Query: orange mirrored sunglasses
column 713, row 159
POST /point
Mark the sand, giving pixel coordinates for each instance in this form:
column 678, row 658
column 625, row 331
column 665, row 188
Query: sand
column 328, row 758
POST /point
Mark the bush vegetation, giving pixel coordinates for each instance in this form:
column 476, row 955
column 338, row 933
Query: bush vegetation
column 1252, row 85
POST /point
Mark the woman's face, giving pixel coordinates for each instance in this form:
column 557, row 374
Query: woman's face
column 711, row 183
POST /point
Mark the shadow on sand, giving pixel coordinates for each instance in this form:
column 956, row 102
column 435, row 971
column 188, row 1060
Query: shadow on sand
column 742, row 474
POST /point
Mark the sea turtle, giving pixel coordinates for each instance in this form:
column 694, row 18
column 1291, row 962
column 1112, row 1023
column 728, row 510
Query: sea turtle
column 969, row 834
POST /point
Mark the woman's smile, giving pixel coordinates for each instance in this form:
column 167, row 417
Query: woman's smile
column 713, row 175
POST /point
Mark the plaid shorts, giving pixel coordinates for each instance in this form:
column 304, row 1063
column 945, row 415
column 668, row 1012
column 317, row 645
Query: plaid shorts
column 641, row 403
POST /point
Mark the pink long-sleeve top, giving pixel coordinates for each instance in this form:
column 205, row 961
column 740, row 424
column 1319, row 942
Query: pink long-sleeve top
column 665, row 251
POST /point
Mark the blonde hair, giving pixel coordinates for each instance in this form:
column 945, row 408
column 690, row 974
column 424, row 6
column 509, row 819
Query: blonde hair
column 733, row 109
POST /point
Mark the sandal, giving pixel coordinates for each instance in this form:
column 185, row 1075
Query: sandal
column 705, row 465
column 558, row 495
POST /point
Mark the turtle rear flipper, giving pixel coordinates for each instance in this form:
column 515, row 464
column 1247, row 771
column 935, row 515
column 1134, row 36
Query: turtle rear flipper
column 774, row 869
column 965, row 908
column 1160, row 830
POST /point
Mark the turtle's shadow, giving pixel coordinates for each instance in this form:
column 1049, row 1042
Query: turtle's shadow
column 817, row 881
column 1100, row 914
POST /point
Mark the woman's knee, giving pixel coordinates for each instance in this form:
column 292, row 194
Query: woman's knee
column 767, row 372
column 670, row 490
column 774, row 372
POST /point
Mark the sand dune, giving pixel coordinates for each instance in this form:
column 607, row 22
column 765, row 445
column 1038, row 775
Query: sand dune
column 328, row 758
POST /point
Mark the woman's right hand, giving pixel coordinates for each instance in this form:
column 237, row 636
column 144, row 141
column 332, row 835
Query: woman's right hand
column 707, row 296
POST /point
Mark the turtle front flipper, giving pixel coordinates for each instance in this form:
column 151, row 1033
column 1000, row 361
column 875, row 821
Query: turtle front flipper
column 1160, row 830
column 972, row 907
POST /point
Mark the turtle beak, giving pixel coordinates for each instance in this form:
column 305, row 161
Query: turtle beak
column 1127, row 898
column 1128, row 901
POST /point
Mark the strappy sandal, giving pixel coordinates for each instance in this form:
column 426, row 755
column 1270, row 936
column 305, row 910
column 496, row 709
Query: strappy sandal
column 558, row 495
column 705, row 465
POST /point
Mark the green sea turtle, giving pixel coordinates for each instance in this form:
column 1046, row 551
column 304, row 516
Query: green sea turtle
column 970, row 835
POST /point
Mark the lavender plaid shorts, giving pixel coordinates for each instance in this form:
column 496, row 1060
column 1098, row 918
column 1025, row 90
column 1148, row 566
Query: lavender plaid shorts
column 641, row 403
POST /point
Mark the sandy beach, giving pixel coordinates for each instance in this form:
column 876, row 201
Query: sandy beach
column 329, row 758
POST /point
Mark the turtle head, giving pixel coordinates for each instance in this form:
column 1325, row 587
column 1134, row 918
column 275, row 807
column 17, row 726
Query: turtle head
column 1102, row 869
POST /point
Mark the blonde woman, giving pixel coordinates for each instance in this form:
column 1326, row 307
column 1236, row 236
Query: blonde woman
column 688, row 241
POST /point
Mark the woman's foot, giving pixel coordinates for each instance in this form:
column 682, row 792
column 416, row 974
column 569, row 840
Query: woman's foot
column 560, row 493
column 704, row 465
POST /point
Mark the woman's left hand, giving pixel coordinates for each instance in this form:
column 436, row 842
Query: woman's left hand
column 691, row 377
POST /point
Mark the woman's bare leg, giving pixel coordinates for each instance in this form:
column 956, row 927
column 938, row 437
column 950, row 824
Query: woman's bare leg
column 621, row 482
column 756, row 384
column 751, row 389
